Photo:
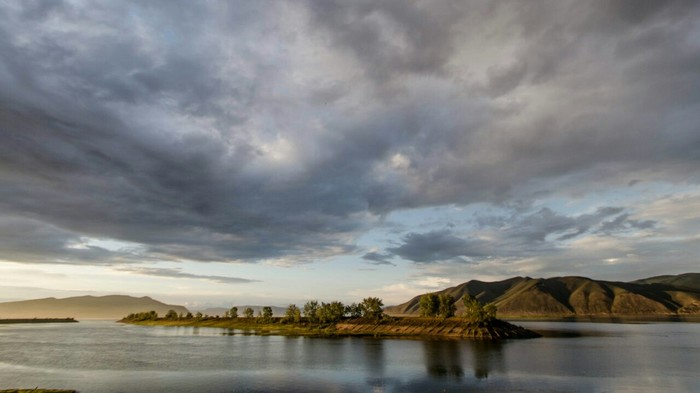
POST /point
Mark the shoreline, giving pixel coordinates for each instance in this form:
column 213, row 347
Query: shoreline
column 393, row 327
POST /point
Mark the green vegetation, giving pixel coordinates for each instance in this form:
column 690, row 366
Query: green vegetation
column 372, row 308
column 434, row 305
column 142, row 316
column 292, row 314
column 429, row 305
column 475, row 311
column 310, row 311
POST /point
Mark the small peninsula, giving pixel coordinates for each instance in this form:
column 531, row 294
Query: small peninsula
column 366, row 319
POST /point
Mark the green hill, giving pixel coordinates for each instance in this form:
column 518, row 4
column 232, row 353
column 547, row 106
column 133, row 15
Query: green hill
column 85, row 307
column 571, row 296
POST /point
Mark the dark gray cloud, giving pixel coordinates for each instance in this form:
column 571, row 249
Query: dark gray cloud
column 27, row 240
column 441, row 245
column 377, row 258
column 239, row 131
column 535, row 234
column 177, row 273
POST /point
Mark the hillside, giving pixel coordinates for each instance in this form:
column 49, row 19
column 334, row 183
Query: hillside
column 84, row 307
column 570, row 296
column 686, row 281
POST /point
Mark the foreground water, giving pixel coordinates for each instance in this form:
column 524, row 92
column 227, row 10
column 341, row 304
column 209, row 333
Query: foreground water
column 574, row 357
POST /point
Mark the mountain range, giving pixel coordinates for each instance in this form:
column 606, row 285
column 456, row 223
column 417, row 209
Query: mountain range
column 573, row 296
column 85, row 307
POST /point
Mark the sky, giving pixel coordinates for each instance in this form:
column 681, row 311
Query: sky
column 271, row 152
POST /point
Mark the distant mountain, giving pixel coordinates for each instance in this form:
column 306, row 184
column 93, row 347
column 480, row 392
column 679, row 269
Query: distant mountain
column 570, row 296
column 85, row 307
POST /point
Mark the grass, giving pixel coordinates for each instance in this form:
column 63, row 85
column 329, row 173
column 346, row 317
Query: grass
column 250, row 325
column 391, row 327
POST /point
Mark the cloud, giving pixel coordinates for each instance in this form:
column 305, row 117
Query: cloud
column 376, row 258
column 285, row 130
column 518, row 235
column 438, row 245
column 177, row 273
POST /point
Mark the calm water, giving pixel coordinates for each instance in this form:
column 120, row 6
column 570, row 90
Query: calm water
column 577, row 357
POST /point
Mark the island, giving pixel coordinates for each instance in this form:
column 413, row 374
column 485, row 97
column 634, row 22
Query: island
column 366, row 319
column 37, row 320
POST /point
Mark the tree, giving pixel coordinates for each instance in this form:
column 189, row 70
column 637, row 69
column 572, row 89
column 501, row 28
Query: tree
column 476, row 312
column 266, row 314
column 171, row 315
column 292, row 314
column 429, row 305
column 353, row 310
column 490, row 310
column 310, row 310
column 142, row 316
column 372, row 308
column 447, row 307
column 189, row 315
column 233, row 312
column 248, row 312
column 198, row 315
column 330, row 312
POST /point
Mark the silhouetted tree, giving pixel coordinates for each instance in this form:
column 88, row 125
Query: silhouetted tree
column 171, row 315
column 233, row 312
column 248, row 312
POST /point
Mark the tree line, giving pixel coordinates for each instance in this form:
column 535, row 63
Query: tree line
column 312, row 312
column 443, row 306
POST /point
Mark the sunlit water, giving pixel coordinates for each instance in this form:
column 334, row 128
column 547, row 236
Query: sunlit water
column 580, row 357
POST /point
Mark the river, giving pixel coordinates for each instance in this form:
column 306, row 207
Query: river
column 573, row 357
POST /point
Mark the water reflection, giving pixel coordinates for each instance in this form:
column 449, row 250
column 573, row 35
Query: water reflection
column 374, row 358
column 375, row 361
column 487, row 355
column 443, row 359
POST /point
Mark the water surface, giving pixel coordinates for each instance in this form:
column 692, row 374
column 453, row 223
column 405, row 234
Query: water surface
column 573, row 357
